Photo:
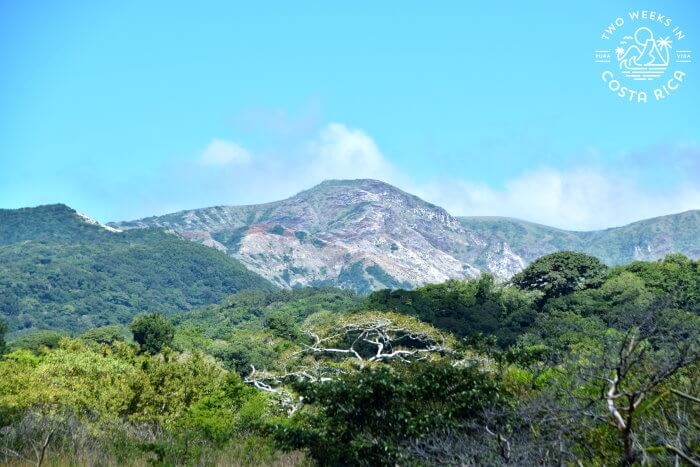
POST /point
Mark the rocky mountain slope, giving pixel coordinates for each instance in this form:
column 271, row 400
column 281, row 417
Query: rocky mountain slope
column 361, row 234
column 366, row 235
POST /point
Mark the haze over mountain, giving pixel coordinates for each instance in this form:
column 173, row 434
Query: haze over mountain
column 366, row 235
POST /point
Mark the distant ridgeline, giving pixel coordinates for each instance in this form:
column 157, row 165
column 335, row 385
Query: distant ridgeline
column 368, row 235
column 645, row 240
column 62, row 270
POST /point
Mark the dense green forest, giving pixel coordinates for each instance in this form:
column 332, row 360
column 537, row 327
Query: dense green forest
column 59, row 272
column 569, row 363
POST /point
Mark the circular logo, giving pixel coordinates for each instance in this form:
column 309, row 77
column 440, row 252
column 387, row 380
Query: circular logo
column 642, row 57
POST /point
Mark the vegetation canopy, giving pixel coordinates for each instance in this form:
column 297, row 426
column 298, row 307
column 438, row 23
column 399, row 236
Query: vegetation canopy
column 602, row 363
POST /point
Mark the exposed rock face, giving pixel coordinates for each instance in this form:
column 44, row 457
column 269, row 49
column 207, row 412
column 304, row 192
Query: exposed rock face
column 362, row 234
column 367, row 235
column 92, row 221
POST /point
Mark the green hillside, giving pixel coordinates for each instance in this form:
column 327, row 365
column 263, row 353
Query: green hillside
column 646, row 240
column 322, row 376
column 60, row 271
column 49, row 223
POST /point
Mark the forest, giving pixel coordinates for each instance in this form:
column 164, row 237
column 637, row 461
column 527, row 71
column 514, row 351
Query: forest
column 570, row 362
column 61, row 273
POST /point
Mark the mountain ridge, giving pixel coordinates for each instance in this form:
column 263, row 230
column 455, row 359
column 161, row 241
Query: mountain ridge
column 60, row 269
column 366, row 234
column 593, row 241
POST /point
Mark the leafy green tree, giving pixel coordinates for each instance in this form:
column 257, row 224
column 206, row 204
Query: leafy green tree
column 560, row 274
column 9, row 302
column 283, row 325
column 256, row 310
column 89, row 404
column 106, row 334
column 614, row 373
column 153, row 332
column 246, row 349
column 3, row 332
column 657, row 344
column 675, row 277
column 624, row 289
column 37, row 341
column 364, row 418
column 465, row 308
column 563, row 332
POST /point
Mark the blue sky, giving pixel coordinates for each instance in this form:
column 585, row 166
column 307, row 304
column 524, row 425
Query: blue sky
column 127, row 109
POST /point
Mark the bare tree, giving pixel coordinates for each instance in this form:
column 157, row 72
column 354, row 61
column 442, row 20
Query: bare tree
column 275, row 382
column 538, row 430
column 351, row 342
column 378, row 337
column 633, row 364
column 677, row 430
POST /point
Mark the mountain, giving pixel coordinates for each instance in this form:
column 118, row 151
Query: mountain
column 646, row 240
column 50, row 223
column 367, row 235
column 359, row 234
column 62, row 270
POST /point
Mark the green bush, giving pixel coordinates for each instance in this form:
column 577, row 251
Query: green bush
column 3, row 332
column 153, row 332
column 465, row 308
column 363, row 418
column 560, row 273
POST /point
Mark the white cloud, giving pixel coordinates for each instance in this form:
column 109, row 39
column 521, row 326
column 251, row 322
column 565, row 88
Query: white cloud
column 578, row 199
column 341, row 152
column 221, row 153
column 278, row 170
